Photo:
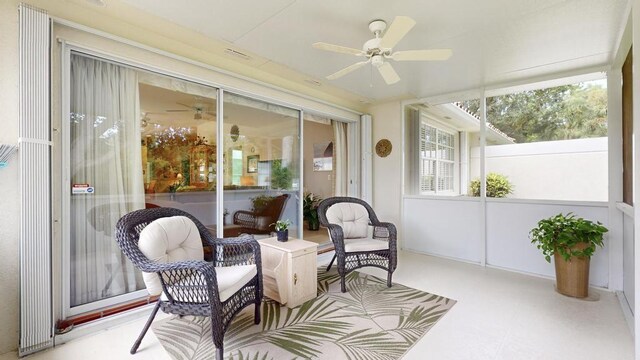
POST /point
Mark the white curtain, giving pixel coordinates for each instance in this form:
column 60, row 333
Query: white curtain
column 341, row 174
column 106, row 154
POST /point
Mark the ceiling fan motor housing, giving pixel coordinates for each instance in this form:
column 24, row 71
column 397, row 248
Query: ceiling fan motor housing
column 372, row 46
column 377, row 60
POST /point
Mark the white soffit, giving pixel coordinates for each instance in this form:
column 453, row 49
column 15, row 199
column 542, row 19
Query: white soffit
column 494, row 41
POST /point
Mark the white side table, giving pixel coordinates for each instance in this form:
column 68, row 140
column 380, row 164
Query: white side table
column 289, row 270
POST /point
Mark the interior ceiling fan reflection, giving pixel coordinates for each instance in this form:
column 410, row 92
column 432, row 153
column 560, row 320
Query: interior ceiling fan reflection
column 199, row 110
column 379, row 50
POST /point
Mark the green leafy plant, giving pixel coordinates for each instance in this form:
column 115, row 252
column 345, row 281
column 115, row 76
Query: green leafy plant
column 282, row 225
column 260, row 202
column 280, row 176
column 310, row 206
column 561, row 233
column 498, row 186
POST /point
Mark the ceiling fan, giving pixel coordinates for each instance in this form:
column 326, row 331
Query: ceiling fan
column 378, row 50
column 198, row 109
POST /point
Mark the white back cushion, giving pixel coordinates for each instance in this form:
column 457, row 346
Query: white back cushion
column 166, row 240
column 352, row 218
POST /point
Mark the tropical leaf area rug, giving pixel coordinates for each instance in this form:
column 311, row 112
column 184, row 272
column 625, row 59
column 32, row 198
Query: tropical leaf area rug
column 369, row 321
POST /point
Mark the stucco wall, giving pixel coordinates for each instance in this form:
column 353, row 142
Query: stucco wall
column 9, row 194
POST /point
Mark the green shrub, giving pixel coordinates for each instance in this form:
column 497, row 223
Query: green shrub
column 498, row 186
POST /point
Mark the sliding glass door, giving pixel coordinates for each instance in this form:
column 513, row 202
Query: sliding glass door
column 135, row 139
column 261, row 151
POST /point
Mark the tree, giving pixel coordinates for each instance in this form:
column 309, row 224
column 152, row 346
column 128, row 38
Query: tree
column 563, row 112
column 584, row 114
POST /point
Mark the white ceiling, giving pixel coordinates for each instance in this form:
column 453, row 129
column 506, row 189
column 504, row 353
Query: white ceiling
column 493, row 41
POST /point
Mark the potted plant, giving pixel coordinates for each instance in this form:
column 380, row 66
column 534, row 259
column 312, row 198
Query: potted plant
column 572, row 241
column 282, row 229
column 310, row 210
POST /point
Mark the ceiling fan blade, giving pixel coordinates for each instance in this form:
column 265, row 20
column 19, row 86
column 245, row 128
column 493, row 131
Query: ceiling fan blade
column 174, row 110
column 422, row 55
column 398, row 29
column 389, row 75
column 185, row 105
column 338, row 49
column 347, row 70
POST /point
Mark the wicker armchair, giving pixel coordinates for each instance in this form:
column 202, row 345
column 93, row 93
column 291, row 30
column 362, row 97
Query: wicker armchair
column 359, row 238
column 166, row 244
column 263, row 221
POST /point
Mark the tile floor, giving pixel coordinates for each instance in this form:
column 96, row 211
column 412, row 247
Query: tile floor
column 499, row 315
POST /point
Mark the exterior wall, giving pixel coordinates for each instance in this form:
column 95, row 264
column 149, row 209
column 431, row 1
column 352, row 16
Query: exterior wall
column 317, row 182
column 9, row 188
column 553, row 170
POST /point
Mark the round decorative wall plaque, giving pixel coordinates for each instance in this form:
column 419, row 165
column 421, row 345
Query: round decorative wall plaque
column 383, row 148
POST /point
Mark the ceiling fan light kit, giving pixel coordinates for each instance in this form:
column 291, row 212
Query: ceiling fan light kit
column 379, row 50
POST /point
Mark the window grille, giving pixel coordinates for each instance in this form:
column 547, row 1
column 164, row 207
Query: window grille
column 437, row 155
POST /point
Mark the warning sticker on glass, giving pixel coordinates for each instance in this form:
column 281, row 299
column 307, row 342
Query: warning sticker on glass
column 82, row 189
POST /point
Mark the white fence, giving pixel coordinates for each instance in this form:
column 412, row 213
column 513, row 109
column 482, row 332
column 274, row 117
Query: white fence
column 551, row 170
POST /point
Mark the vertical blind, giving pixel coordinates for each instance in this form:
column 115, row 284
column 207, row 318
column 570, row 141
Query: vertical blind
column 35, row 212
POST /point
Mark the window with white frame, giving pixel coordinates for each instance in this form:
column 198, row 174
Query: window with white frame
column 437, row 160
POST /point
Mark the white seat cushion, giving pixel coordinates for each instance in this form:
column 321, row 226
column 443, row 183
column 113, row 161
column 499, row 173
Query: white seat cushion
column 352, row 218
column 233, row 278
column 230, row 280
column 366, row 244
column 166, row 240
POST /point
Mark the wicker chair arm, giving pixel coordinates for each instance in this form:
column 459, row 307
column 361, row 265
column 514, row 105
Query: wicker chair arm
column 393, row 246
column 243, row 250
column 385, row 230
column 244, row 218
column 195, row 265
